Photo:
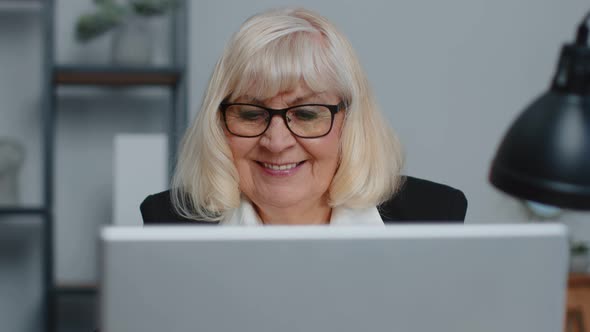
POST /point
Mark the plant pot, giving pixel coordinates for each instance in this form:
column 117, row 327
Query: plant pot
column 133, row 42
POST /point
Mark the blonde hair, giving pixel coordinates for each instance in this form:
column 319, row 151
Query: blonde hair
column 274, row 52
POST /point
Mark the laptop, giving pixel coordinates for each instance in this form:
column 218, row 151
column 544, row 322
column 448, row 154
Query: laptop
column 476, row 278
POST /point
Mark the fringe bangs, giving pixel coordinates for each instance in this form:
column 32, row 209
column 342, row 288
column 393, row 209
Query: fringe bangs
column 284, row 63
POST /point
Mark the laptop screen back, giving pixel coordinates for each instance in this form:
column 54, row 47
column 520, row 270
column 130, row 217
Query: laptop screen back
column 346, row 279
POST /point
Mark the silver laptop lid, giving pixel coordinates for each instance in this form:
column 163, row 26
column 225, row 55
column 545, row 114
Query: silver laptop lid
column 395, row 278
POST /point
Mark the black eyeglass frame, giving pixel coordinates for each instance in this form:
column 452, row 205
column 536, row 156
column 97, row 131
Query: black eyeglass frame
column 283, row 114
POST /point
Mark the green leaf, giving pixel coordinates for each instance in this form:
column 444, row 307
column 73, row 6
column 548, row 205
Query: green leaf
column 153, row 7
column 103, row 2
column 90, row 26
column 578, row 248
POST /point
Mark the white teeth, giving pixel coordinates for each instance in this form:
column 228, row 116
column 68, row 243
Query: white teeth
column 280, row 167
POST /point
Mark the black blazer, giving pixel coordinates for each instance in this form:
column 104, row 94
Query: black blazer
column 417, row 201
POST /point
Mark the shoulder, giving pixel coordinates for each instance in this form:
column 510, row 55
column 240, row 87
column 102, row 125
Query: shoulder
column 417, row 201
column 158, row 209
column 423, row 200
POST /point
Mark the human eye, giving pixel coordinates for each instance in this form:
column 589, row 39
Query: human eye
column 309, row 113
column 247, row 113
column 251, row 115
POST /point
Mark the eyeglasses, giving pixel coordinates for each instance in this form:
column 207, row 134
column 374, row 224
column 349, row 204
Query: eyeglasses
column 305, row 121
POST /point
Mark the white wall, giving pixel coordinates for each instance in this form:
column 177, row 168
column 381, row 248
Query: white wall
column 450, row 75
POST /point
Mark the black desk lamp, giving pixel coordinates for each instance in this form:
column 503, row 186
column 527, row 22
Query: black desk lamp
column 545, row 155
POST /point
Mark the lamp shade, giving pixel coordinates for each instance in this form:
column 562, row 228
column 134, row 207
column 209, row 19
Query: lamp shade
column 545, row 155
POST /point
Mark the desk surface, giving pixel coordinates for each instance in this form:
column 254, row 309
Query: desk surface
column 578, row 301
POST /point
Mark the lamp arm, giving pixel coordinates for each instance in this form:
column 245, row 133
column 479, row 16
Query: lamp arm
column 573, row 68
column 582, row 35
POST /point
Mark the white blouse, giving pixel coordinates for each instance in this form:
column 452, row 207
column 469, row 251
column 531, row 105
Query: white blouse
column 246, row 215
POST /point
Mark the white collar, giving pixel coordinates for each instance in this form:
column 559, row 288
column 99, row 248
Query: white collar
column 245, row 215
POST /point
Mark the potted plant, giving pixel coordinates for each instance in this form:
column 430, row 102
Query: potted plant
column 578, row 257
column 133, row 38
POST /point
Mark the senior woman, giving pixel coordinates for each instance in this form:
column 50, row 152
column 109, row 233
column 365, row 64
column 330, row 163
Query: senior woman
column 289, row 133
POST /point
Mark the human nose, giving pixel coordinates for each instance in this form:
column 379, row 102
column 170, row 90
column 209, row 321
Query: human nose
column 277, row 137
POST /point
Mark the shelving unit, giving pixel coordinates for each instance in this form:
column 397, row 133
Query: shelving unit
column 172, row 77
column 117, row 76
column 78, row 289
column 168, row 77
column 21, row 211
column 20, row 5
column 41, row 211
column 53, row 76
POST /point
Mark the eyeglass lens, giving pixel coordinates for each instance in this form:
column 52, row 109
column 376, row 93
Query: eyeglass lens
column 304, row 121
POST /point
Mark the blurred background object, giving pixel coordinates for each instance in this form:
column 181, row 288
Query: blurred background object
column 64, row 101
column 132, row 42
column 579, row 259
column 12, row 155
column 542, row 211
column 545, row 155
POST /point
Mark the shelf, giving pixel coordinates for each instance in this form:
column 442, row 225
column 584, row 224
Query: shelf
column 116, row 76
column 76, row 289
column 20, row 6
column 6, row 210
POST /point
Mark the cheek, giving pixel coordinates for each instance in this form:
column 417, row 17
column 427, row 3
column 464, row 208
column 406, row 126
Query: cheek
column 239, row 147
column 329, row 148
column 325, row 153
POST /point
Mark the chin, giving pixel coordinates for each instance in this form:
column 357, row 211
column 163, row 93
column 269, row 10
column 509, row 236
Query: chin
column 281, row 203
column 279, row 199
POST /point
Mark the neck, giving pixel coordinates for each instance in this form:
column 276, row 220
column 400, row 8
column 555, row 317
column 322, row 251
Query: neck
column 306, row 214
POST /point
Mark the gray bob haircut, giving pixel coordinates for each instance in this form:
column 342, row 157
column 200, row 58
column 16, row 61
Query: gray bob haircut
column 274, row 52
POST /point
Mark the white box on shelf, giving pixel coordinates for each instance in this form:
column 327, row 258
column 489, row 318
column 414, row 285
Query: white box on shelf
column 140, row 169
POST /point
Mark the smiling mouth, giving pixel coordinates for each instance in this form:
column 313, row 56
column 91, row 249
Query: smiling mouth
column 280, row 167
